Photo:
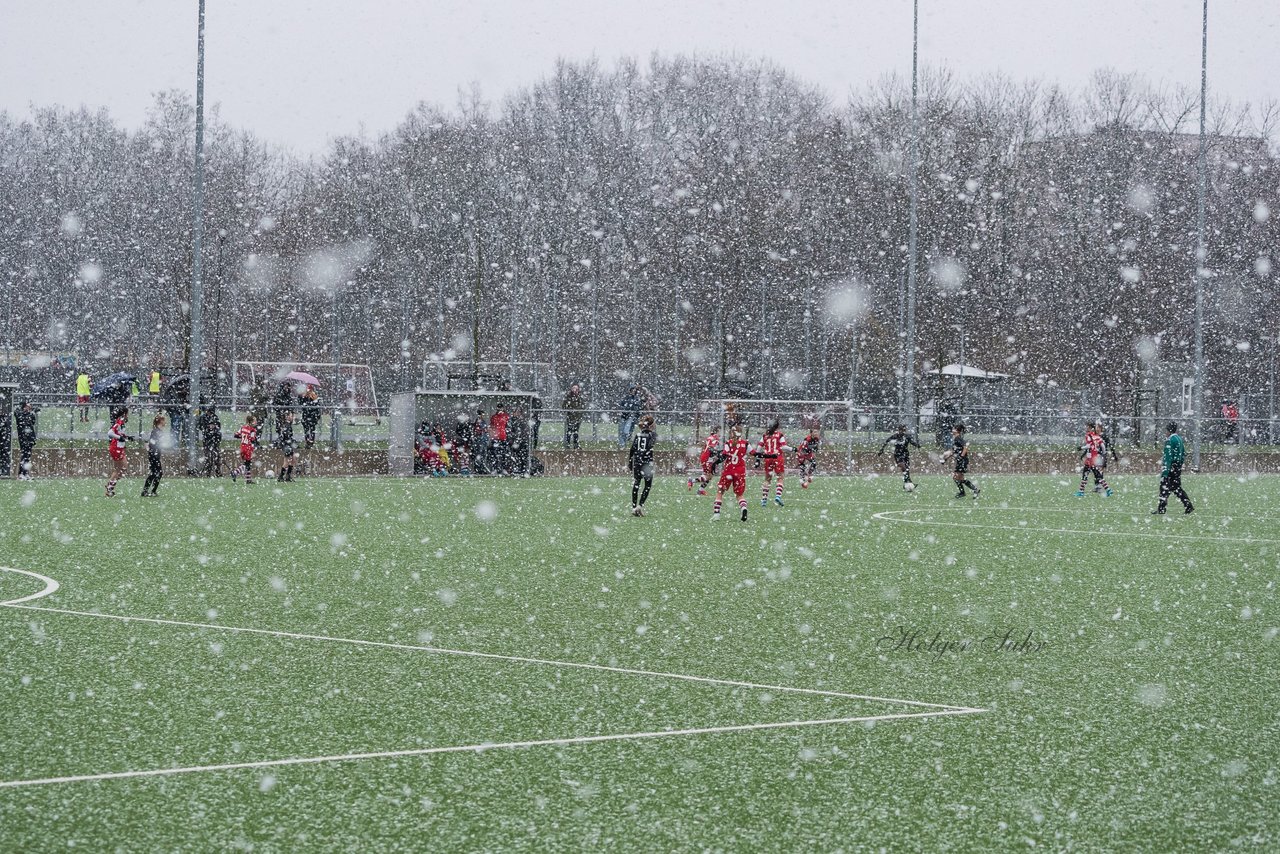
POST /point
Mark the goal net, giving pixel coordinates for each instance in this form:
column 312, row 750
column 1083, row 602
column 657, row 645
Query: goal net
column 355, row 393
column 461, row 375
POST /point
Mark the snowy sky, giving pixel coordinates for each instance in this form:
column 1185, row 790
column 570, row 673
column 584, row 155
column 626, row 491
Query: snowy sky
column 298, row 72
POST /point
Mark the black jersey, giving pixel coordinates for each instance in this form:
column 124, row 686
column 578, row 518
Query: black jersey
column 642, row 448
column 958, row 446
column 26, row 421
column 285, row 437
column 154, row 443
column 902, row 443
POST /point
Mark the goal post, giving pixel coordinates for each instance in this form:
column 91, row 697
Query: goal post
column 356, row 396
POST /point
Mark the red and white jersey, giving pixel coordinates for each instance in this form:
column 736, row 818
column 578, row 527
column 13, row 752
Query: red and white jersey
column 248, row 434
column 807, row 448
column 116, row 436
column 1094, row 449
column 735, row 456
column 772, row 444
column 710, row 445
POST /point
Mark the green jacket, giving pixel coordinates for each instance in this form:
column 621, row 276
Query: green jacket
column 1174, row 453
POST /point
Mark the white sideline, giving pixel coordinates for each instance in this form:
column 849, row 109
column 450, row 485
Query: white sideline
column 888, row 516
column 492, row 656
column 472, row 748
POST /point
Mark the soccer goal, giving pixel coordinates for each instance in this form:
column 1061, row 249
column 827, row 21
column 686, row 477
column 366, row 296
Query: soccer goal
column 356, row 394
column 462, row 422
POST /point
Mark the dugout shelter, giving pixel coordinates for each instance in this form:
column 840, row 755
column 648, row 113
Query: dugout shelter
column 456, row 413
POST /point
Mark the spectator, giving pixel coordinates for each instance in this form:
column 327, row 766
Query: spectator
column 154, row 387
column 210, row 429
column 535, row 421
column 573, row 406
column 500, row 450
column 259, row 403
column 25, row 419
column 1231, row 414
column 629, row 409
column 84, row 388
column 518, row 436
column 310, row 406
column 480, row 444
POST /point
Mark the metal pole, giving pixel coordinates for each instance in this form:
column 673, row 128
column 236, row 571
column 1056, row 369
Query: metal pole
column 1271, row 393
column 196, row 361
column 335, row 420
column 909, row 345
column 1201, row 251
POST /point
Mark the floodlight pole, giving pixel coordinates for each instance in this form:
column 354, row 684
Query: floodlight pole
column 335, row 420
column 1201, row 251
column 195, row 363
column 908, row 402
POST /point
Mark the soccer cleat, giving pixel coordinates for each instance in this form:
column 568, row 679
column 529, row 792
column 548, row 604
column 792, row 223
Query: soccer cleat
column 691, row 483
column 702, row 492
column 976, row 493
column 744, row 514
column 764, row 502
column 1189, row 509
column 1079, row 493
column 715, row 517
column 777, row 499
column 959, row 495
column 1157, row 512
column 804, row 484
column 1108, row 494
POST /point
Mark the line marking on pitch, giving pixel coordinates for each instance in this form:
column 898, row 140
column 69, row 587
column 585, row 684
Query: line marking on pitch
column 895, row 516
column 519, row 659
column 477, row 748
column 50, row 586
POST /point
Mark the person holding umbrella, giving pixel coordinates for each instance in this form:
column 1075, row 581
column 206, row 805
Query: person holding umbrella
column 310, row 406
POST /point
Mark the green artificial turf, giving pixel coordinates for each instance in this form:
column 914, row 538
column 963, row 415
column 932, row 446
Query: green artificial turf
column 1142, row 715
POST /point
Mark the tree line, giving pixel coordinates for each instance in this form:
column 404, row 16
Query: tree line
column 706, row 226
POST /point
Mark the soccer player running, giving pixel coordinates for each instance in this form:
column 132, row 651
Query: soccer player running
column 959, row 453
column 116, row 437
column 772, row 447
column 734, row 474
column 709, row 459
column 1175, row 453
column 807, row 457
column 902, row 442
column 155, row 468
column 1094, row 453
column 248, row 436
column 640, row 461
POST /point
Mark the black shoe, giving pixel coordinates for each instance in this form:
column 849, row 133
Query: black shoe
column 1157, row 512
column 744, row 514
column 1189, row 509
column 959, row 495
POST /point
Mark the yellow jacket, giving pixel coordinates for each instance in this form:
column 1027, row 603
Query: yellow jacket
column 155, row 382
column 82, row 385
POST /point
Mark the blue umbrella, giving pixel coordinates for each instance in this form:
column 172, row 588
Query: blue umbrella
column 116, row 381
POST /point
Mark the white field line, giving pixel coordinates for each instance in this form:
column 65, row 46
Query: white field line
column 476, row 748
column 894, row 516
column 50, row 586
column 491, row 656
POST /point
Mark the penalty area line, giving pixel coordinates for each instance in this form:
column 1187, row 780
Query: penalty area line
column 492, row 656
column 475, row 748
column 888, row 516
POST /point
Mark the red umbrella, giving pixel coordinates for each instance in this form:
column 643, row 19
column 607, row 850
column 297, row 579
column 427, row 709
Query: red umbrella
column 302, row 377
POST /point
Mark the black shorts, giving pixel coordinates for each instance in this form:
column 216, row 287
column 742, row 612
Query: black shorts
column 288, row 449
column 962, row 465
